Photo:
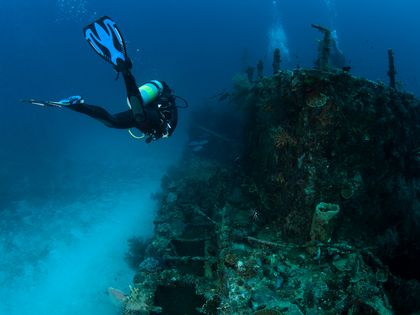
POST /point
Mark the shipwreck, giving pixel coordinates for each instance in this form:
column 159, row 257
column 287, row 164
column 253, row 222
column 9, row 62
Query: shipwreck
column 307, row 202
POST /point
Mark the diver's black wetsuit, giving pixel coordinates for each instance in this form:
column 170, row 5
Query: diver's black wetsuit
column 157, row 119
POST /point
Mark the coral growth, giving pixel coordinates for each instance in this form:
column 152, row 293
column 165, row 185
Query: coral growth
column 315, row 100
column 281, row 138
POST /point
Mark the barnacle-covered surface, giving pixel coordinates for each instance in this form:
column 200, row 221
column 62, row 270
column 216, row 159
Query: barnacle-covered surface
column 311, row 208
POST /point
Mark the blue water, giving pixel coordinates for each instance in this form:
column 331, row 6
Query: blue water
column 73, row 191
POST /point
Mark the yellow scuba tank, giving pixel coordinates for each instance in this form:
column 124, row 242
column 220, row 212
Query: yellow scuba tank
column 150, row 91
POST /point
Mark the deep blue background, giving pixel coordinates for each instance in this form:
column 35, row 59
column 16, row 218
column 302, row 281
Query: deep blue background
column 196, row 46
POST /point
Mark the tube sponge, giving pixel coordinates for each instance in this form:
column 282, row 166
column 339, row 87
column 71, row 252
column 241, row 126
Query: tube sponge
column 322, row 223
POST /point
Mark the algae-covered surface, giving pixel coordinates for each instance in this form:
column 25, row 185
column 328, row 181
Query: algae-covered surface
column 313, row 209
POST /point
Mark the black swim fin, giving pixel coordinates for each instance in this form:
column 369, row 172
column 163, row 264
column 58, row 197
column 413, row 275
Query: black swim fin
column 106, row 39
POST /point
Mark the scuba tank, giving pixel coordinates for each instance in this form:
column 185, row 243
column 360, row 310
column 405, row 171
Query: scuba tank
column 150, row 91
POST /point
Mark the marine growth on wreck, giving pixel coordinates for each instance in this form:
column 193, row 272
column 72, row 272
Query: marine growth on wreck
column 314, row 210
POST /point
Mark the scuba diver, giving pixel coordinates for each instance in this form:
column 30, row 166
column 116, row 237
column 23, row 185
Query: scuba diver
column 153, row 108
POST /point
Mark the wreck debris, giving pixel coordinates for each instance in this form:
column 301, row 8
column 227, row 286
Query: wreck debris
column 347, row 191
column 351, row 185
column 276, row 61
column 322, row 62
column 391, row 69
column 250, row 74
column 260, row 69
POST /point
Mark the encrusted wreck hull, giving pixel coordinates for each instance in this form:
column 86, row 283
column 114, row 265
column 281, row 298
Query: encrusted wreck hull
column 310, row 216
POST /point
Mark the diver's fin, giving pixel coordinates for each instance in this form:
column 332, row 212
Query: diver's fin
column 72, row 100
column 41, row 103
column 106, row 39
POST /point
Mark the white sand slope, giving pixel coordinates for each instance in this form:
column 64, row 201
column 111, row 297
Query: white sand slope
column 63, row 263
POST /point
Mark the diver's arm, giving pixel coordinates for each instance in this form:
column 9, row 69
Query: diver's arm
column 134, row 96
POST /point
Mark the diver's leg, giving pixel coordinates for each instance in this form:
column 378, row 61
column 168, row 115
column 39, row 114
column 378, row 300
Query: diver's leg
column 122, row 120
column 105, row 38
